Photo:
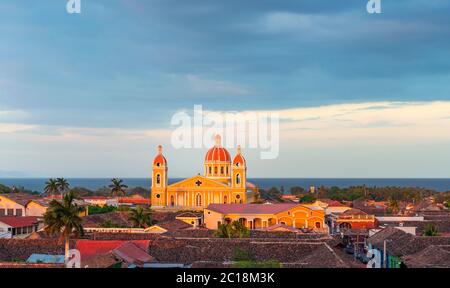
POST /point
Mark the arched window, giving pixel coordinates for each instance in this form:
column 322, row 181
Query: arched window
column 215, row 169
column 198, row 200
column 210, row 170
column 158, row 179
column 318, row 225
column 221, row 170
column 225, row 199
column 227, row 171
column 172, row 201
column 238, row 178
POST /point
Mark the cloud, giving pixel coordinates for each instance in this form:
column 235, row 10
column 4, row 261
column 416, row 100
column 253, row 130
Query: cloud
column 378, row 122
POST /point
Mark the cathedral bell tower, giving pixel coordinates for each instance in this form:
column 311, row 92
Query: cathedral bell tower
column 159, row 179
column 239, row 175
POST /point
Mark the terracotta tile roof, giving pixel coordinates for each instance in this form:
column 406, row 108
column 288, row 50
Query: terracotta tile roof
column 188, row 215
column 132, row 253
column 99, row 261
column 95, row 198
column 129, row 200
column 353, row 212
column 251, row 208
column 90, row 248
column 20, row 198
column 96, row 220
column 173, row 225
column 16, row 222
column 282, row 226
column 431, row 257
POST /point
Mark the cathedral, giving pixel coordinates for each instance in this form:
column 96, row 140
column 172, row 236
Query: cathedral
column 224, row 181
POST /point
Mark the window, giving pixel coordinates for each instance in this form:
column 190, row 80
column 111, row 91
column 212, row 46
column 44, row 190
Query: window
column 225, row 199
column 172, row 201
column 215, row 169
column 221, row 170
column 227, row 170
column 198, row 200
column 218, row 224
column 210, row 171
column 19, row 212
column 158, row 179
column 238, row 178
column 10, row 212
column 158, row 196
column 2, row 212
column 317, row 224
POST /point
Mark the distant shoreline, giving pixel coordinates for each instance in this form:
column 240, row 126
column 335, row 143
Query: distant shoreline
column 437, row 184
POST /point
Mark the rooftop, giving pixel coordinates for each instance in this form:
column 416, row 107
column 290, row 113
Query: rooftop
column 16, row 222
column 253, row 208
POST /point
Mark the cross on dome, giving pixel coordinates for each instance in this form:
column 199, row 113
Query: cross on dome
column 218, row 140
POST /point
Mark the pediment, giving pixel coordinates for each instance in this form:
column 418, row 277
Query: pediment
column 198, row 182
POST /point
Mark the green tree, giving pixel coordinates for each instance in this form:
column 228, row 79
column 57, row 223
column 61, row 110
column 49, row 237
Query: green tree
column 140, row 217
column 51, row 187
column 224, row 231
column 239, row 230
column 117, row 187
column 307, row 198
column 63, row 218
column 244, row 259
column 297, row 190
column 431, row 230
column 63, row 185
column 232, row 230
column 394, row 206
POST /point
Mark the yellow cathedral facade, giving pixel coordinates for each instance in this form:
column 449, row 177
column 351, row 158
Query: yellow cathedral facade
column 224, row 181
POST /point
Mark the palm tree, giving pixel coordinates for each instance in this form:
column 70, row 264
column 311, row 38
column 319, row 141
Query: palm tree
column 224, row 231
column 117, row 187
column 394, row 206
column 63, row 218
column 232, row 230
column 140, row 217
column 431, row 230
column 51, row 187
column 63, row 185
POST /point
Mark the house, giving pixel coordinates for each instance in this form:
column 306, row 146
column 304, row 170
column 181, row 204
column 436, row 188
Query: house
column 17, row 227
column 332, row 206
column 37, row 207
column 261, row 216
column 194, row 219
column 351, row 219
column 101, row 201
column 434, row 256
column 110, row 253
column 14, row 204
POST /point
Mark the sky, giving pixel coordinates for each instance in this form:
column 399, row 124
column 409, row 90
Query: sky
column 93, row 94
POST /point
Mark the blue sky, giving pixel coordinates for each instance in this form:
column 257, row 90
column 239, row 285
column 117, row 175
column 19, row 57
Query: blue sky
column 91, row 95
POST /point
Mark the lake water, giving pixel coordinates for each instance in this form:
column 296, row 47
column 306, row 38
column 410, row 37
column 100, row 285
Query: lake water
column 442, row 185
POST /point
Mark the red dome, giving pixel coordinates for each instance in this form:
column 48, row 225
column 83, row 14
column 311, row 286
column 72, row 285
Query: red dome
column 217, row 154
column 159, row 159
column 239, row 159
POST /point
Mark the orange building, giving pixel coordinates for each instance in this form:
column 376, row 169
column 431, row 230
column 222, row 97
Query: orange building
column 264, row 216
column 224, row 181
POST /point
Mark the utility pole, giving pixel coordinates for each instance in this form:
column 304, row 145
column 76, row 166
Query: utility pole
column 384, row 254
